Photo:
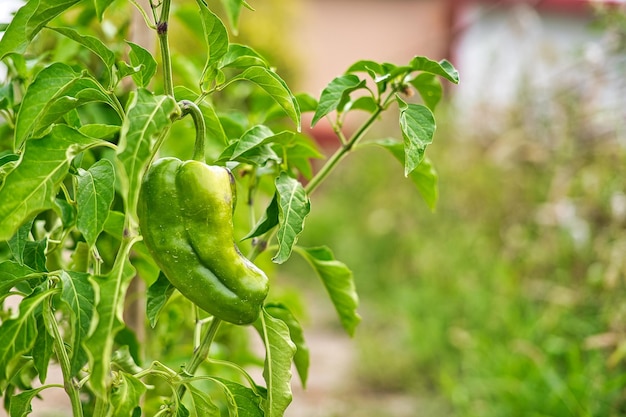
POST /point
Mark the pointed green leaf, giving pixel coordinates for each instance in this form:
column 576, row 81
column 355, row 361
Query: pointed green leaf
column 242, row 56
column 158, row 294
column 293, row 206
column 35, row 254
column 242, row 401
column 11, row 274
column 101, row 6
column 143, row 59
column 126, row 392
column 18, row 334
column 18, row 242
column 335, row 93
column 79, row 296
column 273, row 85
column 111, row 292
column 339, row 283
column 42, row 350
column 418, row 127
column 442, row 68
column 56, row 90
column 32, row 186
column 100, row 131
column 279, row 353
column 424, row 176
column 251, row 138
column 301, row 358
column 148, row 117
column 430, row 89
column 94, row 196
column 95, row 45
column 216, row 38
column 268, row 221
column 27, row 23
column 233, row 10
column 20, row 403
column 203, row 405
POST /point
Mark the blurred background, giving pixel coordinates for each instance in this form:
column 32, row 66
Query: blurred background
column 508, row 300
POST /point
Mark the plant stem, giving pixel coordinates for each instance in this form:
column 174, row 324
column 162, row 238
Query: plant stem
column 341, row 152
column 64, row 360
column 162, row 31
column 189, row 107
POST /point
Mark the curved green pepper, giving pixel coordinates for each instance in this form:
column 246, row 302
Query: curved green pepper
column 186, row 217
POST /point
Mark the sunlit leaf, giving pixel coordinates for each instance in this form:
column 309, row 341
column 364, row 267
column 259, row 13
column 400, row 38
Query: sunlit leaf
column 94, row 196
column 101, row 6
column 442, row 68
column 11, row 274
column 216, row 38
column 339, row 282
column 418, row 127
column 293, row 206
column 126, row 392
column 143, row 59
column 203, row 405
column 335, row 93
column 18, row 242
column 21, row 403
column 233, row 10
column 35, row 254
column 242, row 56
column 241, row 401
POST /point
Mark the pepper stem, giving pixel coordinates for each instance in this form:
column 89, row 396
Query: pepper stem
column 189, row 107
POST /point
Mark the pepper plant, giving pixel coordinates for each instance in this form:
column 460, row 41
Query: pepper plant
column 85, row 116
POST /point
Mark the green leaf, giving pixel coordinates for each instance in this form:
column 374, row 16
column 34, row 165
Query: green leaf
column 370, row 67
column 273, row 85
column 11, row 274
column 424, row 176
column 100, row 131
column 56, row 90
column 418, row 127
column 18, row 242
column 365, row 103
column 301, row 358
column 80, row 257
column 339, row 283
column 253, row 137
column 202, row 403
column 430, row 89
column 20, row 403
column 293, row 207
column 139, row 57
column 335, row 93
column 158, row 294
column 233, row 10
column 268, row 221
column 279, row 353
column 216, row 38
column 111, row 292
column 32, row 186
column 78, row 294
column 126, row 392
column 18, row 334
column 42, row 350
column 442, row 68
column 27, row 23
column 215, row 130
column 147, row 119
column 242, row 56
column 242, row 401
column 95, row 45
column 94, row 196
column 101, row 6
column 114, row 224
column 35, row 254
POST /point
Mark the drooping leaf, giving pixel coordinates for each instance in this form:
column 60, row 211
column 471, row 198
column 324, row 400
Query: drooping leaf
column 335, row 93
column 143, row 59
column 279, row 353
column 418, row 127
column 56, row 90
column 111, row 292
column 21, row 403
column 27, row 23
column 339, row 282
column 94, row 196
column 80, row 297
column 32, row 186
column 442, row 68
column 273, row 85
column 158, row 294
column 126, row 392
column 148, row 117
column 301, row 357
column 293, row 207
column 42, row 350
column 216, row 38
column 424, row 176
column 11, row 274
column 18, row 334
column 429, row 88
column 233, row 10
column 18, row 242
column 203, row 405
column 95, row 45
column 268, row 221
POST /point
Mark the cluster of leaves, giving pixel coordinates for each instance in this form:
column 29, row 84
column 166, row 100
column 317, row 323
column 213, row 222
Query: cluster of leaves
column 76, row 143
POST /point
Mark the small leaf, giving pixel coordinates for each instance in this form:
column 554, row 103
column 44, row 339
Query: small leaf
column 42, row 351
column 158, row 294
column 100, row 131
column 430, row 89
column 279, row 353
column 242, row 56
column 242, row 401
column 233, row 10
column 202, row 403
column 301, row 357
column 293, row 206
column 35, row 254
column 339, row 283
column 253, row 137
column 20, row 403
column 418, row 127
column 101, row 6
column 424, row 176
column 126, row 392
column 335, row 93
column 32, row 186
column 143, row 59
column 273, row 85
column 268, row 221
column 442, row 68
column 216, row 38
column 78, row 294
column 18, row 242
column 95, row 192
column 11, row 274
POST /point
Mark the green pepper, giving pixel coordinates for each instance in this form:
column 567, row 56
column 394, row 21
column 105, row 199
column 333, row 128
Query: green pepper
column 185, row 214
